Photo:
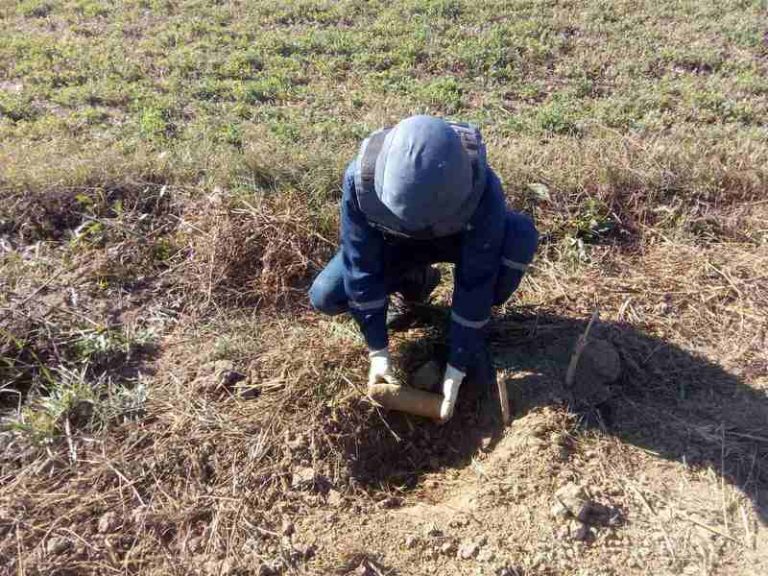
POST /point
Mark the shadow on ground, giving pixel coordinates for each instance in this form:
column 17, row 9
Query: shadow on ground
column 675, row 404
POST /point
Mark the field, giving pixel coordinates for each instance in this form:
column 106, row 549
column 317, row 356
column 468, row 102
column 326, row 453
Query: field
column 169, row 183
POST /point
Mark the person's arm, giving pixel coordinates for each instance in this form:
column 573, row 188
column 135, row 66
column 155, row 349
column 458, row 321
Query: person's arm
column 364, row 282
column 474, row 285
column 475, row 275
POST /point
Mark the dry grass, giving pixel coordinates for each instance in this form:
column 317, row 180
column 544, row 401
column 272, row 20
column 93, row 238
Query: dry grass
column 208, row 479
column 259, row 254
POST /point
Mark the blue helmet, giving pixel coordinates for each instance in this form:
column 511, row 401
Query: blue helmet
column 423, row 178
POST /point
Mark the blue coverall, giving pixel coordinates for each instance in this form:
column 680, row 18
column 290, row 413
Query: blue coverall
column 490, row 255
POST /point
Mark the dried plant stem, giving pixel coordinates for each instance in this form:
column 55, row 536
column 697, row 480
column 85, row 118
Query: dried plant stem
column 580, row 345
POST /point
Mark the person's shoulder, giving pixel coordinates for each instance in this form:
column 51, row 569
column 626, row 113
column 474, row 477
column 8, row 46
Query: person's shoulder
column 348, row 182
column 493, row 195
column 492, row 181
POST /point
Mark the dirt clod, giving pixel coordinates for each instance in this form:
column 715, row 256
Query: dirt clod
column 601, row 356
column 570, row 501
column 468, row 550
column 486, row 555
column 57, row 545
column 599, row 366
column 303, row 478
column 334, row 498
column 391, row 502
column 579, row 531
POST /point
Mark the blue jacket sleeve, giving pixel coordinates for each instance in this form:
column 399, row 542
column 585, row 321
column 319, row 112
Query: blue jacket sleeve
column 362, row 248
column 475, row 274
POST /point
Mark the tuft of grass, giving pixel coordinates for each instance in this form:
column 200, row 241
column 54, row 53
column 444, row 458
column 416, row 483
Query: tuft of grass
column 74, row 402
column 35, row 8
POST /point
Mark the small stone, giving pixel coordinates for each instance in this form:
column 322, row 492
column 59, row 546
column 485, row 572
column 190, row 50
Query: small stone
column 559, row 510
column 581, row 532
column 195, row 544
column 486, row 555
column 391, row 502
column 246, row 392
column 467, row 550
column 108, row 523
column 334, row 498
column 569, row 501
column 303, row 477
column 411, row 541
column 448, row 547
column 427, row 377
column 485, row 443
column 57, row 545
column 458, row 522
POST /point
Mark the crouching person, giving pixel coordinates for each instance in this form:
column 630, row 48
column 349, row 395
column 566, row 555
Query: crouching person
column 418, row 194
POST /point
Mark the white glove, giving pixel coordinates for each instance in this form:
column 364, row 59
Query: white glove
column 380, row 370
column 451, row 384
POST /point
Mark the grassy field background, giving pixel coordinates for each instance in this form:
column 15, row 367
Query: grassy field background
column 169, row 184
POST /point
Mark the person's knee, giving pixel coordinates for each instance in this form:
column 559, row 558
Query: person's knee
column 526, row 237
column 519, row 247
column 318, row 295
column 321, row 298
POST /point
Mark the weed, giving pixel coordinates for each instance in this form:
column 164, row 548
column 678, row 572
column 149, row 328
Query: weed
column 35, row 8
column 443, row 95
column 558, row 117
column 155, row 124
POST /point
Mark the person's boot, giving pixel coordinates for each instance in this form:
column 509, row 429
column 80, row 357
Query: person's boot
column 418, row 285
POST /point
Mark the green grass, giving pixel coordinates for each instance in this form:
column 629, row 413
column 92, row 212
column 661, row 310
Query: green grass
column 142, row 77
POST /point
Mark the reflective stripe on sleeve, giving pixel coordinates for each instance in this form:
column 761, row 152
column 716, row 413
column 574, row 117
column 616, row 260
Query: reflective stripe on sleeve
column 476, row 324
column 514, row 265
column 370, row 305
